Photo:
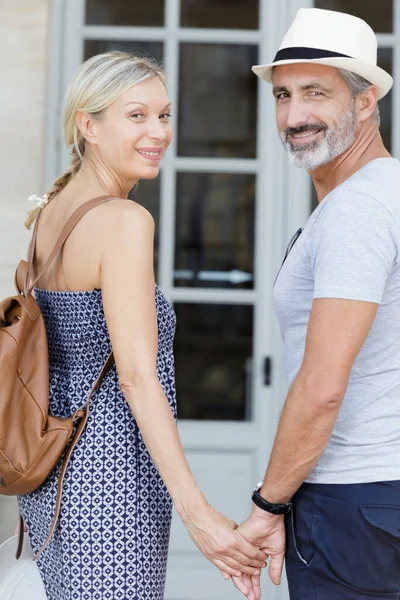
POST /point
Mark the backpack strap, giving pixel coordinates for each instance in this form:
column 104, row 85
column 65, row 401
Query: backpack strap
column 65, row 232
column 21, row 529
column 84, row 415
column 20, row 275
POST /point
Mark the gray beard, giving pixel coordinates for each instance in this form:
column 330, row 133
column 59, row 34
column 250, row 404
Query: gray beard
column 321, row 152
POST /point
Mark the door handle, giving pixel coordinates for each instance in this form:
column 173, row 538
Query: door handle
column 267, row 375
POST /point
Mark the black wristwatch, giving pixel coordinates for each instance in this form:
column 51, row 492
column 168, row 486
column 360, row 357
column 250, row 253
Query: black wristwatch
column 275, row 509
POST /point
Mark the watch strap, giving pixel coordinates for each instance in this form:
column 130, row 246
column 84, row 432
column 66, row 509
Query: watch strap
column 275, row 509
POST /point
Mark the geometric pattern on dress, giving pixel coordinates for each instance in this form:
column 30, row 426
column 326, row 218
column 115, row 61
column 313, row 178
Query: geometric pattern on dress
column 111, row 540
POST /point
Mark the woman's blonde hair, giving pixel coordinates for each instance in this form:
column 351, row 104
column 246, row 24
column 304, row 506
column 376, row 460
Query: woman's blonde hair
column 97, row 83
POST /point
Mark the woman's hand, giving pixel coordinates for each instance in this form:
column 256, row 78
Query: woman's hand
column 218, row 539
column 249, row 585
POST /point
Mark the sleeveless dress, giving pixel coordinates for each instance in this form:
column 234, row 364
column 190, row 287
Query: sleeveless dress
column 111, row 540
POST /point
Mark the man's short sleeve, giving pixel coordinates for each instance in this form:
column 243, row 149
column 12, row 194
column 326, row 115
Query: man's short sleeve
column 353, row 248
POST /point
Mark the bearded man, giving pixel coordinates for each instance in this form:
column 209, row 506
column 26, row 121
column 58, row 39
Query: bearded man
column 334, row 471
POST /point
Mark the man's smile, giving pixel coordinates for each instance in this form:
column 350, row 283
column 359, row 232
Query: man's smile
column 304, row 135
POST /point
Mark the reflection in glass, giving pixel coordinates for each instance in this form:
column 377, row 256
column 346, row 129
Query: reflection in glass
column 122, row 12
column 147, row 193
column 379, row 15
column 151, row 49
column 215, row 230
column 213, row 350
column 217, row 100
column 221, row 14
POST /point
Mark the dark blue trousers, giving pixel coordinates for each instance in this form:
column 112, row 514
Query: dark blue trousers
column 343, row 542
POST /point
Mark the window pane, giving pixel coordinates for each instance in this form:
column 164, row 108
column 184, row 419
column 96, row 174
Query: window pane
column 379, row 15
column 217, row 100
column 221, row 14
column 121, row 12
column 215, row 230
column 147, row 193
column 152, row 49
column 213, row 350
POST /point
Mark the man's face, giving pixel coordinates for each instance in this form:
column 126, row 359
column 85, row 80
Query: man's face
column 315, row 113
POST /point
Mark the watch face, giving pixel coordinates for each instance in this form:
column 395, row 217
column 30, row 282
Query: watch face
column 258, row 486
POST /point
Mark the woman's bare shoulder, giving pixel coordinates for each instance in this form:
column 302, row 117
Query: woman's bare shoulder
column 124, row 217
column 122, row 207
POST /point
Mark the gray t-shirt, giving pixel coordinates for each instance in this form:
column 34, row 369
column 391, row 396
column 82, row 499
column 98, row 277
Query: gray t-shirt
column 350, row 249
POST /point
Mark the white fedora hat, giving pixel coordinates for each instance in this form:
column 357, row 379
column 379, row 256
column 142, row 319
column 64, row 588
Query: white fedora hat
column 335, row 39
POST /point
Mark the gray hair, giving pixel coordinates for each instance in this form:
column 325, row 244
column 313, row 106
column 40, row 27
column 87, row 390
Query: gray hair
column 358, row 85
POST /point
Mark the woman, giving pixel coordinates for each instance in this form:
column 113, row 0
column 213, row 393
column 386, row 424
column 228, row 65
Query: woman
column 112, row 537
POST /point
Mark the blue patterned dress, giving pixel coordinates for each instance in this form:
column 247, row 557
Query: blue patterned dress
column 111, row 540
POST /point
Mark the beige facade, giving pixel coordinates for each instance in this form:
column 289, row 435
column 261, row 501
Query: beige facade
column 23, row 65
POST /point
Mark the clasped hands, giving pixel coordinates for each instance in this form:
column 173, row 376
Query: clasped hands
column 241, row 552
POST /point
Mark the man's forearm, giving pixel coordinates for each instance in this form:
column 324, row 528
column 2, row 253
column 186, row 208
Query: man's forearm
column 305, row 426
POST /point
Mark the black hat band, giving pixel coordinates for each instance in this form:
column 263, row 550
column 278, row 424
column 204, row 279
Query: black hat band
column 302, row 53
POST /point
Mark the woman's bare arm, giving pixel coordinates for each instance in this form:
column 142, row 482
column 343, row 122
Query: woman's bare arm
column 128, row 287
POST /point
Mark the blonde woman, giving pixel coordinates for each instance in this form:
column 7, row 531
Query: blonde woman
column 112, row 537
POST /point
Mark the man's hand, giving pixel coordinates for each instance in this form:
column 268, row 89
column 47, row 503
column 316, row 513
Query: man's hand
column 267, row 532
column 220, row 541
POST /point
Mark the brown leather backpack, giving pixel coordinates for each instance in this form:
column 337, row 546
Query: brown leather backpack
column 31, row 440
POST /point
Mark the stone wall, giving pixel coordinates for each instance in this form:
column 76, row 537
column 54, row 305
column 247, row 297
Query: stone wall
column 23, row 64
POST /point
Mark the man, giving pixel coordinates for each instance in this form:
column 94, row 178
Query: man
column 335, row 464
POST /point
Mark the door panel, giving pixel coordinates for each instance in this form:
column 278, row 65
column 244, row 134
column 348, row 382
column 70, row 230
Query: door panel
column 220, row 14
column 213, row 355
column 214, row 235
column 217, row 100
column 377, row 14
column 121, row 12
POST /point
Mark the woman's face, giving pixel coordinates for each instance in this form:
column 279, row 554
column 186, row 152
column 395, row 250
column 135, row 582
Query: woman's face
column 133, row 133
